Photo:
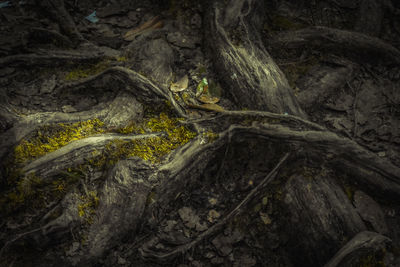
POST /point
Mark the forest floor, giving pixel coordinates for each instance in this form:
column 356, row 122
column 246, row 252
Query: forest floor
column 45, row 80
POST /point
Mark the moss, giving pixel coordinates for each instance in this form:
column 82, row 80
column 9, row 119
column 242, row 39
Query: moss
column 121, row 59
column 152, row 149
column 50, row 138
column 29, row 189
column 211, row 136
column 87, row 206
column 84, row 71
column 131, row 128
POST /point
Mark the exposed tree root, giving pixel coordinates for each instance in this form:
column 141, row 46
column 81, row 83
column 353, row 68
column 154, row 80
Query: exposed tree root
column 75, row 153
column 247, row 68
column 47, row 58
column 357, row 46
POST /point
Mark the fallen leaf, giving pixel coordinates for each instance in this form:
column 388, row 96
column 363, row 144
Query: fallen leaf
column 212, row 215
column 212, row 201
column 153, row 23
column 265, row 218
column 180, row 85
column 208, row 99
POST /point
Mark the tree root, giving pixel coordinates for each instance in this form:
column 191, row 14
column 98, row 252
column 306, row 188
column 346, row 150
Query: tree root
column 357, row 46
column 247, row 68
column 75, row 153
column 51, row 58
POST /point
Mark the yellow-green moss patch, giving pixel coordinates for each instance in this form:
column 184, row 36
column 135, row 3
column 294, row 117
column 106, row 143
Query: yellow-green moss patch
column 211, row 136
column 151, row 148
column 87, row 206
column 84, row 71
column 51, row 138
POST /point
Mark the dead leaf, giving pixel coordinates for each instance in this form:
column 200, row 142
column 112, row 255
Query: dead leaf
column 153, row 23
column 180, row 85
column 212, row 215
column 265, row 218
column 208, row 99
column 212, row 201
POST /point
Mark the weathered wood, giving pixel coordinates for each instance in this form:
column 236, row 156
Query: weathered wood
column 246, row 68
column 320, row 217
column 75, row 153
column 353, row 45
column 358, row 249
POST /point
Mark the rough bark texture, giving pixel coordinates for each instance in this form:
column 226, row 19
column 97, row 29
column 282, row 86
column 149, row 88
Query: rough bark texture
column 114, row 151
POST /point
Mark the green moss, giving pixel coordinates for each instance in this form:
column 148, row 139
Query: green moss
column 153, row 148
column 84, row 71
column 121, row 59
column 131, row 128
column 211, row 136
column 51, row 138
column 87, row 206
column 31, row 191
column 28, row 189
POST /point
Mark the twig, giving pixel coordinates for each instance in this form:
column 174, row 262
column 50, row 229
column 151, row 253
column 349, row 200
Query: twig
column 217, row 226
